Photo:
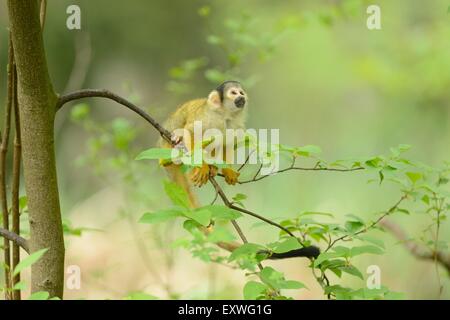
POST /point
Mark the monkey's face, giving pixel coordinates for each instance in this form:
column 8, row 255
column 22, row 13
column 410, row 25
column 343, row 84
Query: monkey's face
column 234, row 98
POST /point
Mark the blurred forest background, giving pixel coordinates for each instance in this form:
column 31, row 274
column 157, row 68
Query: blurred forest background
column 312, row 70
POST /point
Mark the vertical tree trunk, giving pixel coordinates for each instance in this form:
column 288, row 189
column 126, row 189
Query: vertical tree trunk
column 37, row 102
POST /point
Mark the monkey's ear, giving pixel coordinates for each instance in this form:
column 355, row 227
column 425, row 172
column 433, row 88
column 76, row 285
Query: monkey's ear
column 214, row 99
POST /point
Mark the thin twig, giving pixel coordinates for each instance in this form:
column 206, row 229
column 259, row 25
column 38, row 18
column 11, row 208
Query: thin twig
column 3, row 152
column 258, row 177
column 101, row 93
column 370, row 226
column 230, row 205
column 15, row 212
column 11, row 236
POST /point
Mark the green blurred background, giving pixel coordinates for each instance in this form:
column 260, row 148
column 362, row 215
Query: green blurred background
column 313, row 70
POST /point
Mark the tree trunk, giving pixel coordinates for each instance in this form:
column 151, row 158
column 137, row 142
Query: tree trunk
column 37, row 101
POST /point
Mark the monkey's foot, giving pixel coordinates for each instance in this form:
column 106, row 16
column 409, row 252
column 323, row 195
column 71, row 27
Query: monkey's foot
column 231, row 176
column 213, row 171
column 200, row 175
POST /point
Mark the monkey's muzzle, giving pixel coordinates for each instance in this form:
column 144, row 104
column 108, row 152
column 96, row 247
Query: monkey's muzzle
column 239, row 102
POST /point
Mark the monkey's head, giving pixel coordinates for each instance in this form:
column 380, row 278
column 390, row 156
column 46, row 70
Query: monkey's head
column 229, row 95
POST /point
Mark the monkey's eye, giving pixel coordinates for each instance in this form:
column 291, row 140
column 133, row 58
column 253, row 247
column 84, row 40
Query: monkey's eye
column 233, row 93
column 241, row 92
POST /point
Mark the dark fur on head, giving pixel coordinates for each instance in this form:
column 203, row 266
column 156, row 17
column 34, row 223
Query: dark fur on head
column 221, row 89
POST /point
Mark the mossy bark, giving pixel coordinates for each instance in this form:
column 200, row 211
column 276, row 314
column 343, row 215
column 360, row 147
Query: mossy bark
column 37, row 101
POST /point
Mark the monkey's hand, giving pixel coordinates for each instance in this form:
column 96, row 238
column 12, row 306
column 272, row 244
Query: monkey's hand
column 200, row 175
column 231, row 176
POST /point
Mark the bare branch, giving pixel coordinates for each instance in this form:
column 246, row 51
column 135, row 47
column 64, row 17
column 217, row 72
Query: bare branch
column 258, row 177
column 11, row 236
column 15, row 210
column 101, row 93
column 370, row 226
column 3, row 153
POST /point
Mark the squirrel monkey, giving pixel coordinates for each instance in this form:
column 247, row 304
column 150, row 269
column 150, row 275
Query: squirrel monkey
column 224, row 108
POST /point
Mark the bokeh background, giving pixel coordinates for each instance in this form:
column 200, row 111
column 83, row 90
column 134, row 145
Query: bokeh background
column 312, row 69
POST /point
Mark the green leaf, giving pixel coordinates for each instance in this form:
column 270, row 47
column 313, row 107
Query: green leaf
column 374, row 162
column 365, row 249
column 140, row 296
column 40, row 295
column 204, row 11
column 23, row 201
column 352, row 270
column 160, row 216
column 400, row 149
column 402, row 210
column 238, row 198
column 158, row 153
column 287, row 245
column 215, row 40
column 325, row 256
column 220, row 212
column 28, row 261
column 276, row 280
column 315, row 213
column 202, row 216
column 291, row 284
column 308, row 150
column 353, row 226
column 21, row 285
column 177, row 194
column 246, row 249
column 220, row 234
column 253, row 290
column 372, row 240
column 79, row 112
column 414, row 176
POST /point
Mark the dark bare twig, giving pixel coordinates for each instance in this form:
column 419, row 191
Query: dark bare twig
column 258, row 177
column 15, row 212
column 370, row 226
column 101, row 93
column 11, row 236
column 230, row 205
column 3, row 152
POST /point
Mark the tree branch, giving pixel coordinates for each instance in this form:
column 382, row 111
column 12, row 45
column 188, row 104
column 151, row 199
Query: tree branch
column 101, row 93
column 11, row 236
column 15, row 205
column 373, row 224
column 414, row 248
column 3, row 153
column 258, row 177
